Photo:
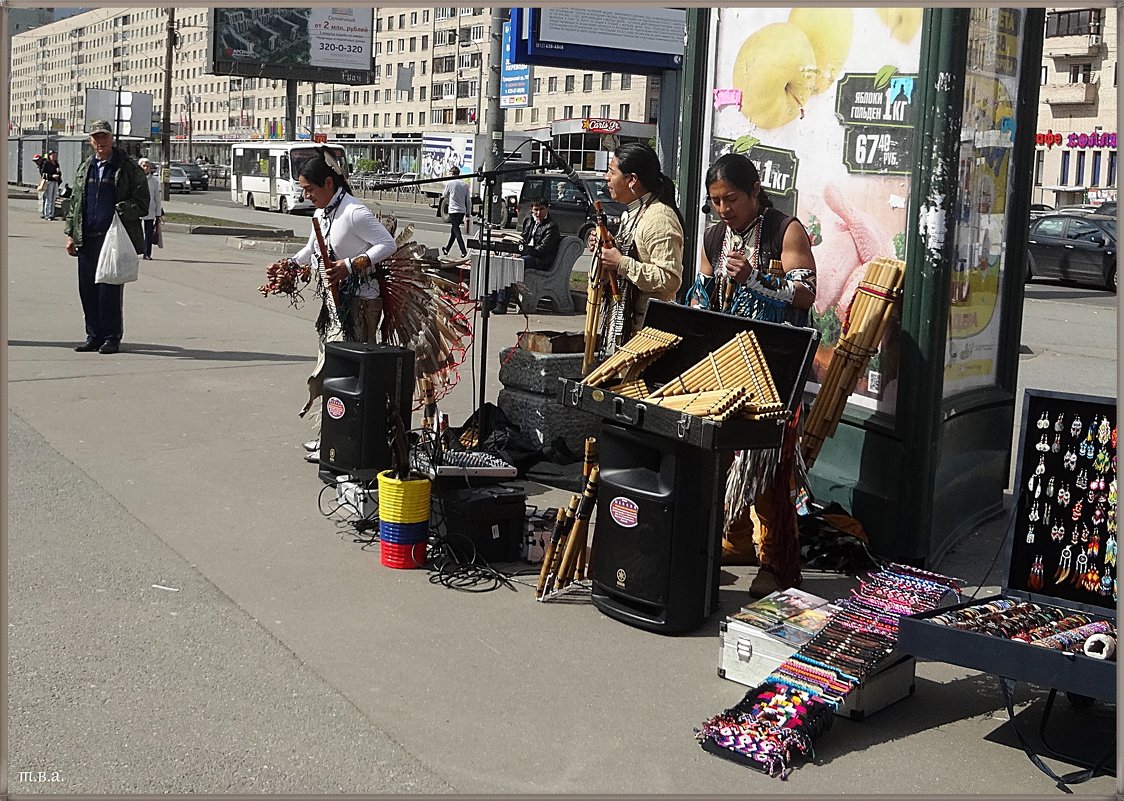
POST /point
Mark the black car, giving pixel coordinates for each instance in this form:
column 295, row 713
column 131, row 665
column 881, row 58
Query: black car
column 1071, row 247
column 196, row 173
column 570, row 205
column 1107, row 208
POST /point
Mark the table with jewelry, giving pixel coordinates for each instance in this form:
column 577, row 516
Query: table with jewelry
column 1054, row 623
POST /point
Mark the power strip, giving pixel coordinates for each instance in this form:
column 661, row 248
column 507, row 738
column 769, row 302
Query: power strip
column 355, row 498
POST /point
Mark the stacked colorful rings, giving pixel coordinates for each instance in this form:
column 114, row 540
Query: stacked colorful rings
column 403, row 521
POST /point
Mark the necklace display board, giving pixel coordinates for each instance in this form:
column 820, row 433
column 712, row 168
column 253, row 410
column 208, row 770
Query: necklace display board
column 1061, row 554
column 1054, row 624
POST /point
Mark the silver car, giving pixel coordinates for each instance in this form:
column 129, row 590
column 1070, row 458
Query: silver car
column 178, row 180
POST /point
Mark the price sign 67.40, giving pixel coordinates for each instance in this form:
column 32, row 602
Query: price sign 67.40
column 886, row 151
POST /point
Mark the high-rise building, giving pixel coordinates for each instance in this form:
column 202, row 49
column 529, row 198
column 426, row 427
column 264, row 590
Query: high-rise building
column 1075, row 154
column 431, row 66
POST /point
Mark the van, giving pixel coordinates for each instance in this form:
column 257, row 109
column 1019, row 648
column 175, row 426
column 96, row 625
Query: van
column 570, row 205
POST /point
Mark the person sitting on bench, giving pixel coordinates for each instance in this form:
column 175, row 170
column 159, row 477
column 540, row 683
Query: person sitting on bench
column 541, row 238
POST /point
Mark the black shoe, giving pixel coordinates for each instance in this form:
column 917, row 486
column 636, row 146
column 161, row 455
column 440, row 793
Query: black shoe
column 500, row 309
column 444, row 251
column 89, row 346
column 109, row 346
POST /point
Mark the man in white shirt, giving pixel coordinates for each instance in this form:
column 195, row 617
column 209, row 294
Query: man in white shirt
column 456, row 193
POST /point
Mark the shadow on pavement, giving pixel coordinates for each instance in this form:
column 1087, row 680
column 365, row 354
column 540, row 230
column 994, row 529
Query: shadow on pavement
column 150, row 349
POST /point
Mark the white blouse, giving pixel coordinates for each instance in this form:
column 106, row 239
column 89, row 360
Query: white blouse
column 354, row 230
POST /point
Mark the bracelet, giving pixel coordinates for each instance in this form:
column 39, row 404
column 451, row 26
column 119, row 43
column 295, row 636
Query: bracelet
column 362, row 263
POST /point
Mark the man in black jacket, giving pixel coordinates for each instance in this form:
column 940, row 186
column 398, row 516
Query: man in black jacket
column 107, row 183
column 540, row 236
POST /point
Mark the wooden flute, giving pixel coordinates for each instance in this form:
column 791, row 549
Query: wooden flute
column 325, row 260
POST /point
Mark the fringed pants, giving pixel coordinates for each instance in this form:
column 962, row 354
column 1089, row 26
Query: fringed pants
column 775, row 537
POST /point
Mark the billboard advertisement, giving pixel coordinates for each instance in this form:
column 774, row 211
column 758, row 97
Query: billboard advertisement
column 822, row 101
column 515, row 79
column 559, row 37
column 324, row 44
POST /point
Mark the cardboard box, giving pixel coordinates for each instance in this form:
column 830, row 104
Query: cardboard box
column 553, row 341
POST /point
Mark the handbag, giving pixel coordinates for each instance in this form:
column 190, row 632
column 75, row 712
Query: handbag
column 158, row 233
column 42, row 185
column 117, row 262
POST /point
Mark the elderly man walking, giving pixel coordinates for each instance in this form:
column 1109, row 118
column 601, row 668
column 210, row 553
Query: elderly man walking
column 108, row 182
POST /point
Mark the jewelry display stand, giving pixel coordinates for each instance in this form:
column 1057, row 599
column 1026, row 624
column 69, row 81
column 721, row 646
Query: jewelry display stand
column 1061, row 556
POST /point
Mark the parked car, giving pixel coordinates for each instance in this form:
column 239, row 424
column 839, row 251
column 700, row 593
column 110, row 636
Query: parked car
column 179, row 181
column 1038, row 209
column 1080, row 208
column 195, row 173
column 1107, row 208
column 1073, row 247
column 569, row 205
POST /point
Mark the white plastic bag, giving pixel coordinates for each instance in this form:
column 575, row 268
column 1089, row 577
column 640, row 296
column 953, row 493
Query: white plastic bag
column 118, row 262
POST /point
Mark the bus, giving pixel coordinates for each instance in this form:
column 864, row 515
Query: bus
column 263, row 175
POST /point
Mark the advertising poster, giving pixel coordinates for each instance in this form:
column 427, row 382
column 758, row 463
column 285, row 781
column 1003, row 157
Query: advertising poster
column 822, row 100
column 986, row 143
column 515, row 79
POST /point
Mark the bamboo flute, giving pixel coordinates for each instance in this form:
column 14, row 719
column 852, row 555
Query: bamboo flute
column 580, row 530
column 552, row 550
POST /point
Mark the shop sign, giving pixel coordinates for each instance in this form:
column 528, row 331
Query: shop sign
column 601, row 126
column 1077, row 140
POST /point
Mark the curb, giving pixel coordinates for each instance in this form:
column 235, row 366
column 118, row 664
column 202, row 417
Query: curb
column 265, row 246
column 228, row 230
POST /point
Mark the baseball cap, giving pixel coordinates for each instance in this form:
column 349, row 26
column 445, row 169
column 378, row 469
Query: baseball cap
column 51, row 152
column 99, row 126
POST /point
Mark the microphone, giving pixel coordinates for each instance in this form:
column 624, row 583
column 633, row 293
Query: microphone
column 566, row 167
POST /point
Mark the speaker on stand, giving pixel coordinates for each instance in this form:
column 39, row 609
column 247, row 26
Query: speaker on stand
column 358, row 381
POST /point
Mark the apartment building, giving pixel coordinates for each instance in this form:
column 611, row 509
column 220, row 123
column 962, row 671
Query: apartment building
column 431, row 69
column 1075, row 152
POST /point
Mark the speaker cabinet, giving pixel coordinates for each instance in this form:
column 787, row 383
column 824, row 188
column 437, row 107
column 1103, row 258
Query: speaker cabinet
column 655, row 559
column 354, row 427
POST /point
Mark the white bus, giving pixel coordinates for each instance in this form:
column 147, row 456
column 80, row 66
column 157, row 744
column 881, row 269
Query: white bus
column 263, row 175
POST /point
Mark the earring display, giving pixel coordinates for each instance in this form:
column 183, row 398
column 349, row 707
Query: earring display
column 1061, row 587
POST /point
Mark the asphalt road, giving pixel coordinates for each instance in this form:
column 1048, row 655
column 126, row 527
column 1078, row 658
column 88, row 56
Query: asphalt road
column 183, row 619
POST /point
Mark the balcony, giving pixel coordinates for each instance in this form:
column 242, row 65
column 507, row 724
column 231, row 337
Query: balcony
column 1079, row 46
column 1069, row 94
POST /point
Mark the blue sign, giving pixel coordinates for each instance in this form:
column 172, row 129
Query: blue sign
column 515, row 79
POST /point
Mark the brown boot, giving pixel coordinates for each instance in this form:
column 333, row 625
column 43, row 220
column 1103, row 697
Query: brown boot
column 766, row 582
column 738, row 547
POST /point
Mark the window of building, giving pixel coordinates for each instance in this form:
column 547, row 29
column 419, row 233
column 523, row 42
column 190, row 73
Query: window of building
column 587, row 82
column 1111, row 178
column 354, row 120
column 401, row 21
column 374, row 121
column 1063, row 173
column 1042, row 77
column 389, row 45
column 552, row 84
column 606, row 80
column 550, row 114
column 386, row 120
column 1080, row 73
column 569, row 83
column 409, row 118
column 413, row 43
column 624, row 112
column 390, row 23
column 1039, row 160
column 626, row 81
column 587, row 110
column 1095, row 177
column 1079, row 171
column 534, row 114
column 367, row 119
column 421, row 92
column 1073, row 23
column 567, row 112
column 425, row 43
column 604, row 112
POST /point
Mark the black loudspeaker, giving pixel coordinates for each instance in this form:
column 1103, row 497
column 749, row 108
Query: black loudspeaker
column 354, row 425
column 656, row 552
column 491, row 518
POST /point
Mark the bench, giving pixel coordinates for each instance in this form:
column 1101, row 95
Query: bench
column 553, row 283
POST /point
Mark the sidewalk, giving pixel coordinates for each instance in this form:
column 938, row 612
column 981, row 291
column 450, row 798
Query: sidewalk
column 284, row 658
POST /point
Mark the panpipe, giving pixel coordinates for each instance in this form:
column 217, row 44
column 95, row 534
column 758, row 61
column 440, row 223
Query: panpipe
column 644, row 346
column 738, row 363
